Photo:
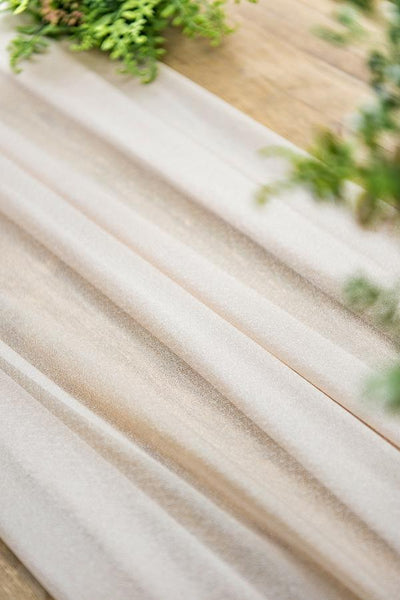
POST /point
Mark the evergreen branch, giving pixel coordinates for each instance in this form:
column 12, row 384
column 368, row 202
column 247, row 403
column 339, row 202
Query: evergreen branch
column 129, row 31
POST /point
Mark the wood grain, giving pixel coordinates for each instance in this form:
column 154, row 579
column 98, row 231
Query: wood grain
column 275, row 70
column 16, row 583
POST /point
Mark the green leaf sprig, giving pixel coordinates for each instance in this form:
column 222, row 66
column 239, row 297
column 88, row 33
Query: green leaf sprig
column 382, row 307
column 370, row 154
column 129, row 31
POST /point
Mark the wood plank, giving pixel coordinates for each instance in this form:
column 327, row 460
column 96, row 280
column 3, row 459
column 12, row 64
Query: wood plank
column 16, row 583
column 274, row 69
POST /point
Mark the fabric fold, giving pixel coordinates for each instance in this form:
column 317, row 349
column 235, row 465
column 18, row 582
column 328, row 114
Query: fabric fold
column 237, row 139
column 315, row 358
column 66, row 482
column 318, row 256
column 230, row 361
column 182, row 501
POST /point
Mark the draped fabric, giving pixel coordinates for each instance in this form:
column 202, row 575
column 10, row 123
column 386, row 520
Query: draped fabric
column 181, row 413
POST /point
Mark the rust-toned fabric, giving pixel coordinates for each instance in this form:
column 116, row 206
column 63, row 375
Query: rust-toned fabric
column 180, row 407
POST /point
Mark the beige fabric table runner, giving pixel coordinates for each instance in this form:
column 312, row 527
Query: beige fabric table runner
column 180, row 408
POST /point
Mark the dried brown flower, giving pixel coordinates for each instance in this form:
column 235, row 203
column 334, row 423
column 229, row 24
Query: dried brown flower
column 65, row 13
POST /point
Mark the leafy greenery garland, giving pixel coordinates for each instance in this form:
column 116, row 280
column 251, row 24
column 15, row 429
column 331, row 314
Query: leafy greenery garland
column 129, row 31
column 369, row 157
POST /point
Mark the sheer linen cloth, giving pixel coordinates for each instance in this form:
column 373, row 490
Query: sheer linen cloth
column 180, row 406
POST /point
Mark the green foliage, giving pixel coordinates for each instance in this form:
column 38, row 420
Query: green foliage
column 129, row 31
column 22, row 48
column 325, row 172
column 350, row 28
column 370, row 155
column 365, row 5
column 385, row 388
column 381, row 306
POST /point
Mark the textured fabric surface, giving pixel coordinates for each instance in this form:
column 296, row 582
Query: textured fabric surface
column 180, row 407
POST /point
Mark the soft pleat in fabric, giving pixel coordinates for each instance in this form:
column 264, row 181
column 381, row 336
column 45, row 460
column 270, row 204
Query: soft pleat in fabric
column 298, row 346
column 181, row 412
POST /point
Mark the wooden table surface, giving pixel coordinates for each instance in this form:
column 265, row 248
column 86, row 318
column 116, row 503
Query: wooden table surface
column 277, row 71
